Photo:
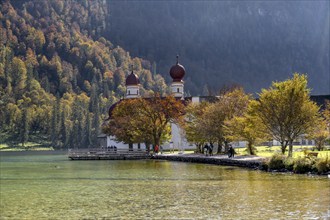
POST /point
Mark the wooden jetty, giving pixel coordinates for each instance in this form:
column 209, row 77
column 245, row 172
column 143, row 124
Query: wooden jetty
column 107, row 154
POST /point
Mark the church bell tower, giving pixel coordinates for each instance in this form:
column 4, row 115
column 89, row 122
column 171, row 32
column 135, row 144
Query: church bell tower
column 132, row 86
column 177, row 73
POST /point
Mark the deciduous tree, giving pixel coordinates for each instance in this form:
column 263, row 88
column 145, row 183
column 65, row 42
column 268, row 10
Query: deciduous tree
column 145, row 120
column 193, row 125
column 246, row 128
column 230, row 104
column 286, row 110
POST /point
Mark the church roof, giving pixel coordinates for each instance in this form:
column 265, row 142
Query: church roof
column 132, row 80
column 177, row 71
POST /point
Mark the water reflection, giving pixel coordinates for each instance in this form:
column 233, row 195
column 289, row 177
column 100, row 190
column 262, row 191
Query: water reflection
column 47, row 186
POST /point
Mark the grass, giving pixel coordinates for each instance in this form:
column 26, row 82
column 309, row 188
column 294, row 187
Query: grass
column 37, row 142
column 265, row 151
column 298, row 151
column 3, row 146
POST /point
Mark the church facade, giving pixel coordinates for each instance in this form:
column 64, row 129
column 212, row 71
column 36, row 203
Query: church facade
column 178, row 140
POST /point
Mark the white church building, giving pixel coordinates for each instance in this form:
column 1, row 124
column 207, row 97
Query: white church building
column 178, row 140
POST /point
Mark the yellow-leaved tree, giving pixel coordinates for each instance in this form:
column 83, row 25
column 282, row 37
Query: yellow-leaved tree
column 247, row 128
column 321, row 130
column 286, row 110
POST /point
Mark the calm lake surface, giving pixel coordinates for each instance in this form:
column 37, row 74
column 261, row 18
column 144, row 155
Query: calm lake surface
column 37, row 186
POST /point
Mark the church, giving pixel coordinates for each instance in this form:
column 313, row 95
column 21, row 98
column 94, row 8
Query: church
column 178, row 140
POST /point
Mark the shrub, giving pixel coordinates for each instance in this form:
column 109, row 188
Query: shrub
column 264, row 165
column 276, row 162
column 303, row 165
column 305, row 150
column 289, row 163
column 322, row 165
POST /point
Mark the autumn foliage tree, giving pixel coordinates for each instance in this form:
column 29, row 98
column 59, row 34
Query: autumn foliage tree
column 205, row 122
column 55, row 47
column 247, row 128
column 193, row 125
column 286, row 110
column 144, row 120
column 320, row 132
column 126, row 124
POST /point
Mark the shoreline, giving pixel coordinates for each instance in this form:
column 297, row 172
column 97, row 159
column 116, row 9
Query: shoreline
column 249, row 162
column 38, row 152
column 246, row 161
column 252, row 162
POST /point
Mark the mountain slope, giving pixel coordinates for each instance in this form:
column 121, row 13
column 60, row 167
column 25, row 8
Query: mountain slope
column 221, row 42
column 58, row 75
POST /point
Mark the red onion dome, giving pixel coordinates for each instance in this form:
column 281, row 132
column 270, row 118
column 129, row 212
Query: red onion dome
column 177, row 71
column 132, row 80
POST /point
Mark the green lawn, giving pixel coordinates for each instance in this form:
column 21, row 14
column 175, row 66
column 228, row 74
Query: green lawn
column 298, row 151
column 265, row 151
column 10, row 142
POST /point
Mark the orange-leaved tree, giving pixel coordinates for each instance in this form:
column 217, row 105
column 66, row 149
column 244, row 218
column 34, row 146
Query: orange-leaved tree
column 144, row 120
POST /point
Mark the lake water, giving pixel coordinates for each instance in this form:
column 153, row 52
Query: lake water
column 53, row 187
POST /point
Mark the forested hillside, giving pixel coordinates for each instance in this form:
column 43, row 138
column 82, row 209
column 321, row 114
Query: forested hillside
column 251, row 43
column 58, row 75
column 63, row 63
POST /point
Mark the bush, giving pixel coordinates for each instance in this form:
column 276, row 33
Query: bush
column 264, row 165
column 322, row 165
column 303, row 165
column 276, row 162
column 289, row 163
column 299, row 165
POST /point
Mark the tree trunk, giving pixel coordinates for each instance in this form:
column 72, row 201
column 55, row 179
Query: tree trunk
column 198, row 148
column 130, row 147
column 283, row 146
column 147, row 146
column 219, row 147
column 290, row 148
column 226, row 146
column 250, row 148
column 319, row 144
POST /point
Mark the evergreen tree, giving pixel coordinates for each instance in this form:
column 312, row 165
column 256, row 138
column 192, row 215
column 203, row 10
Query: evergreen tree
column 24, row 131
column 88, row 135
column 96, row 121
column 53, row 126
column 56, row 122
column 63, row 131
column 154, row 68
column 58, row 116
column 29, row 77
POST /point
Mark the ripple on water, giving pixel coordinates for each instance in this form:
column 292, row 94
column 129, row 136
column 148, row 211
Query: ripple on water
column 163, row 190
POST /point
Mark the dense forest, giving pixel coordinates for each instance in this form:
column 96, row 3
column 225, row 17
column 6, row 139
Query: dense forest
column 58, row 75
column 251, row 43
column 63, row 63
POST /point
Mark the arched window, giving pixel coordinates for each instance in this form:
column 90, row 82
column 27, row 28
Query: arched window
column 178, row 90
